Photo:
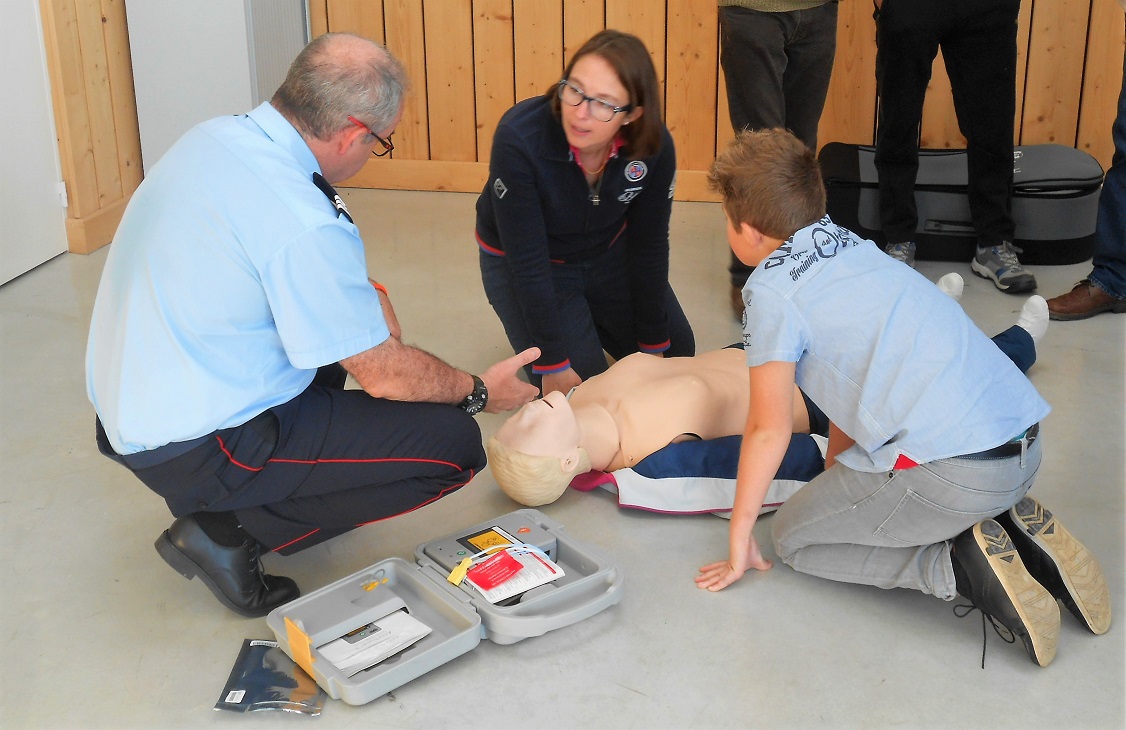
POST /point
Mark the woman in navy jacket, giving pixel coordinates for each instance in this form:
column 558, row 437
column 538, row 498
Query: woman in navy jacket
column 573, row 223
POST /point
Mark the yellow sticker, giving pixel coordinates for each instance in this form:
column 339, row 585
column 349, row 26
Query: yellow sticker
column 299, row 645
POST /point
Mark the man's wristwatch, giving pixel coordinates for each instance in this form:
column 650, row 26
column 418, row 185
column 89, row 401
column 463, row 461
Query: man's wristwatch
column 475, row 402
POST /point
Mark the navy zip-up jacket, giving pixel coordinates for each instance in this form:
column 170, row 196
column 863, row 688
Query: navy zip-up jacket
column 537, row 210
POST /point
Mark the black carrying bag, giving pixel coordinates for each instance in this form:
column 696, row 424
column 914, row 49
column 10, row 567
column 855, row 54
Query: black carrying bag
column 1055, row 201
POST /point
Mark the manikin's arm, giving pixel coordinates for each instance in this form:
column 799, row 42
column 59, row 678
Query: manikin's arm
column 765, row 439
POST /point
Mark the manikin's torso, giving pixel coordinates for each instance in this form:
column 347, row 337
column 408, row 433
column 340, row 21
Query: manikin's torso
column 655, row 401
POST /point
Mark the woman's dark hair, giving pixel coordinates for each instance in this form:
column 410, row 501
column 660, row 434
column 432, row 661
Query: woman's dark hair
column 629, row 58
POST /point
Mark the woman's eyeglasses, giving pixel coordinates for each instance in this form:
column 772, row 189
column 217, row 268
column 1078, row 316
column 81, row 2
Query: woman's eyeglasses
column 387, row 146
column 600, row 109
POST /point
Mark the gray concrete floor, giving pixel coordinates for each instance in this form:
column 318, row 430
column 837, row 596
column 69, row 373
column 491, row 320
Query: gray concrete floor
column 99, row 632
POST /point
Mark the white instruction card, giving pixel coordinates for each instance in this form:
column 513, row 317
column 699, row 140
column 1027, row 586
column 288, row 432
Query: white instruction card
column 372, row 643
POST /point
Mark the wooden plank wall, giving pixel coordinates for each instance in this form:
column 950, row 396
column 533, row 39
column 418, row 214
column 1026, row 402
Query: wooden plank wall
column 95, row 114
column 470, row 60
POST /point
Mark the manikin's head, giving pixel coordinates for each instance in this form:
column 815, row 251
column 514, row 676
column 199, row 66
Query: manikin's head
column 536, row 453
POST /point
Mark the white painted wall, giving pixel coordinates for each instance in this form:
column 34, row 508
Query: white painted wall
column 198, row 59
column 32, row 216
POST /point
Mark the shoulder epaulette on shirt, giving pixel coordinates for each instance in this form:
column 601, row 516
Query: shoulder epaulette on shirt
column 332, row 195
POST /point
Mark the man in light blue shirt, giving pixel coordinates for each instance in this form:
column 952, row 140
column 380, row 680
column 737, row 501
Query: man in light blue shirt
column 234, row 302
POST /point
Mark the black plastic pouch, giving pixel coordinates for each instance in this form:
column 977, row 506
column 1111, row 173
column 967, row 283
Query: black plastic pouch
column 264, row 678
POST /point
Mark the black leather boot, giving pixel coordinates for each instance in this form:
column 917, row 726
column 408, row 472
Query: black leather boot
column 234, row 574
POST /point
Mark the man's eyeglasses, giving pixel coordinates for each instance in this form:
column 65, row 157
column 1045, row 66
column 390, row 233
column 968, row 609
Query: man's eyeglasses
column 387, row 146
column 600, row 109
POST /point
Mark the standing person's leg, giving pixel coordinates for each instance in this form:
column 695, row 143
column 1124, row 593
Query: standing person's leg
column 907, row 34
column 753, row 57
column 1109, row 272
column 980, row 53
column 1105, row 289
column 810, row 52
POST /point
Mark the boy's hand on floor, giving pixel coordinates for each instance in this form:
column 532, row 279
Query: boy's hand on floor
column 717, row 576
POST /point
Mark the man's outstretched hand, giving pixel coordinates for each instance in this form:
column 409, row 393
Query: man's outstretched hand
column 506, row 389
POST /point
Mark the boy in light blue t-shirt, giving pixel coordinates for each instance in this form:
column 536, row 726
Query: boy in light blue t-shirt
column 934, row 437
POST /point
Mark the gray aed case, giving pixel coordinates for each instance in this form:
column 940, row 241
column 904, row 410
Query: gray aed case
column 458, row 616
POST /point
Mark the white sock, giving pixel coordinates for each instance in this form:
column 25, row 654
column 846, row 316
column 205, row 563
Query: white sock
column 951, row 285
column 1034, row 317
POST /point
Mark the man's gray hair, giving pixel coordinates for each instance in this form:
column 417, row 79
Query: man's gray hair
column 337, row 75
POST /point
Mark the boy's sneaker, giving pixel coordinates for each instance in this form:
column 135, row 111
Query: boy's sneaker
column 904, row 252
column 989, row 572
column 1059, row 562
column 1000, row 264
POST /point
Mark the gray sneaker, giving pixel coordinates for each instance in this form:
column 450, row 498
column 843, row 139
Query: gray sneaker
column 1000, row 264
column 904, row 252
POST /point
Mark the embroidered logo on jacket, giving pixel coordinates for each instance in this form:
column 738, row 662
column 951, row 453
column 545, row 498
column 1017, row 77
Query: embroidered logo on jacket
column 636, row 170
column 499, row 188
column 630, row 194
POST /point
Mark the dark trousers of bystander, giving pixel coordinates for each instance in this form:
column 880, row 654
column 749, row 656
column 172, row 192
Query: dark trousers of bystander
column 978, row 42
column 777, row 68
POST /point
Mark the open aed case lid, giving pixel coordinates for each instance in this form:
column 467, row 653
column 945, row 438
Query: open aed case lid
column 458, row 616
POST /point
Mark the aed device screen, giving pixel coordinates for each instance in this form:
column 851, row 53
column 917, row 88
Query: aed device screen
column 488, row 538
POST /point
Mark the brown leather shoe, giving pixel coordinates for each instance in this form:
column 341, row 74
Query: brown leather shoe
column 1083, row 301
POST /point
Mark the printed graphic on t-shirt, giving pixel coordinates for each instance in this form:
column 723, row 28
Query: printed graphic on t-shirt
column 499, row 188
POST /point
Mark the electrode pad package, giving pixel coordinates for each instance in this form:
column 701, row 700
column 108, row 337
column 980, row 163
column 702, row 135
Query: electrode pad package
column 264, row 678
column 511, row 578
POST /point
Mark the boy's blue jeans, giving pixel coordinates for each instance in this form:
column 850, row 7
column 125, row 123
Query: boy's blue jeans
column 893, row 529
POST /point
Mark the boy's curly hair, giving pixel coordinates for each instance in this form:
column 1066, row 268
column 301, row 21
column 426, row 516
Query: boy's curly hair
column 770, row 180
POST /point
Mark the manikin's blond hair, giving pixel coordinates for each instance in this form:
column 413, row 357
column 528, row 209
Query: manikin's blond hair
column 532, row 480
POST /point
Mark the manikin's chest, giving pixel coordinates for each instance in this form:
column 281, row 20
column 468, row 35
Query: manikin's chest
column 669, row 412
